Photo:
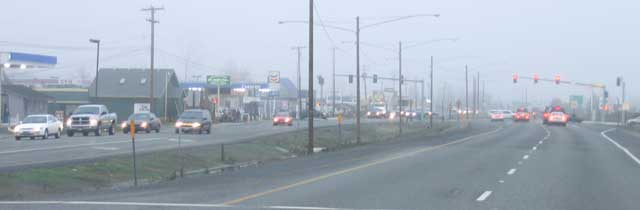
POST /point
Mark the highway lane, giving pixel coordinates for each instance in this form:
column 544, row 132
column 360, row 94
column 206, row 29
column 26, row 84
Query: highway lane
column 516, row 166
column 27, row 153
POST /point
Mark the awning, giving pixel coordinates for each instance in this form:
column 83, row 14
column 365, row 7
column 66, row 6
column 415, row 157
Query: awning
column 26, row 60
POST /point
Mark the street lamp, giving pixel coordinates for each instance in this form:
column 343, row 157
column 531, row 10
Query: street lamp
column 357, row 33
column 97, row 42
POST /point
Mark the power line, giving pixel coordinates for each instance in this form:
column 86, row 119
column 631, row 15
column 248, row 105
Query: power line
column 322, row 24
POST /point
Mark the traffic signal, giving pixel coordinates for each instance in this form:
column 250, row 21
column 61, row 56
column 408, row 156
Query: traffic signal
column 606, row 94
column 320, row 80
column 515, row 78
column 350, row 78
column 375, row 78
column 557, row 79
column 535, row 78
column 618, row 81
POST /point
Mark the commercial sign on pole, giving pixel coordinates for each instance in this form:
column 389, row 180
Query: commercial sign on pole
column 274, row 83
column 274, row 77
column 141, row 108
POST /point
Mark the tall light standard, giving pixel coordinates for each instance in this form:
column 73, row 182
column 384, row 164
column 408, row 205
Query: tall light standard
column 97, row 42
column 357, row 33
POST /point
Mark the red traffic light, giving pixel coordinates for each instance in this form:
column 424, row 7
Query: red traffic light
column 515, row 78
column 557, row 79
column 535, row 78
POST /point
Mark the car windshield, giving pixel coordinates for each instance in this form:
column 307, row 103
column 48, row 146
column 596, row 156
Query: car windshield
column 34, row 119
column 282, row 114
column 140, row 116
column 87, row 110
column 191, row 115
column 506, row 112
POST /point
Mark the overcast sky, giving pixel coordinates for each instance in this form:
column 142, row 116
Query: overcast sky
column 586, row 41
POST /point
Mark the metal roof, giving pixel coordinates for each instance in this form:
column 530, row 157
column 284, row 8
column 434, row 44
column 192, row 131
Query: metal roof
column 134, row 83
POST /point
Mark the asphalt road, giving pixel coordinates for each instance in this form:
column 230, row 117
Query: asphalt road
column 493, row 166
column 15, row 155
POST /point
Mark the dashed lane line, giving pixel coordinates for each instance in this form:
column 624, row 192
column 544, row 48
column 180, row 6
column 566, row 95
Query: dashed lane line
column 484, row 196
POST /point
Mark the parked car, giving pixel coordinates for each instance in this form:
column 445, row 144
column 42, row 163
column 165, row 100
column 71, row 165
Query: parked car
column 283, row 118
column 42, row 126
column 143, row 122
column 194, row 120
column 91, row 119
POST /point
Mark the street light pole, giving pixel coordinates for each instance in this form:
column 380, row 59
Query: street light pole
column 333, row 91
column 466, row 90
column 400, row 87
column 97, row 42
column 298, row 48
column 310, row 100
column 358, row 79
column 431, row 95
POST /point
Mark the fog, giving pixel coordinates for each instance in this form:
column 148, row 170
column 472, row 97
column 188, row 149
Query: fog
column 584, row 41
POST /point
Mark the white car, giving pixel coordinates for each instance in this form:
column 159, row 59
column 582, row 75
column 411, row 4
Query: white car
column 634, row 121
column 507, row 114
column 38, row 126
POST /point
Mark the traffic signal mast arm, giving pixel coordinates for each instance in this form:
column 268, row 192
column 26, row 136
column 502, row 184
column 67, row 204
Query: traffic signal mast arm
column 566, row 82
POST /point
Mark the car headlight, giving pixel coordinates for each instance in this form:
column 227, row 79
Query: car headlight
column 196, row 124
column 69, row 122
column 123, row 125
column 178, row 124
column 36, row 129
column 93, row 122
column 144, row 124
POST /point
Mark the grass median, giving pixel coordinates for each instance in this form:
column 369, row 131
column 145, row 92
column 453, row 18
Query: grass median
column 158, row 166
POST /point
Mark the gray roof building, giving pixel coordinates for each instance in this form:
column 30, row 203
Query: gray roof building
column 134, row 83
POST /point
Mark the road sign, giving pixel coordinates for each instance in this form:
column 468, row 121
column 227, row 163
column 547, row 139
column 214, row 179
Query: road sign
column 274, row 77
column 577, row 98
column 574, row 104
column 141, row 108
column 132, row 129
column 219, row 79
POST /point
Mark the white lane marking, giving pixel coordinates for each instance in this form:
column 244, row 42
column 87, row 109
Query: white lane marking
column 511, row 171
column 625, row 150
column 534, row 148
column 539, row 142
column 484, row 196
column 75, row 145
column 147, row 204
column 181, row 140
column 525, row 157
column 106, row 148
column 519, row 162
column 501, row 181
column 574, row 125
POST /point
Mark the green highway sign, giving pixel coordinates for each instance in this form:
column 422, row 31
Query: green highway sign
column 219, row 80
column 577, row 98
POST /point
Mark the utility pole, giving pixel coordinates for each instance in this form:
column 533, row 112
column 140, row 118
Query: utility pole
column 298, row 48
column 97, row 42
column 357, row 79
column 478, row 108
column 364, row 81
column 153, row 22
column 431, row 95
column 444, row 88
column 466, row 89
column 333, row 88
column 473, row 95
column 310, row 100
column 400, row 86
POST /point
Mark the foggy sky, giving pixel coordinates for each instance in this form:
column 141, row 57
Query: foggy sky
column 586, row 41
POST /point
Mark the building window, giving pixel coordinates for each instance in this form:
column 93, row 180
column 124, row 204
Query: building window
column 122, row 81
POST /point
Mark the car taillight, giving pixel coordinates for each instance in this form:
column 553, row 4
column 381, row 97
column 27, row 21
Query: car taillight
column 275, row 119
column 287, row 119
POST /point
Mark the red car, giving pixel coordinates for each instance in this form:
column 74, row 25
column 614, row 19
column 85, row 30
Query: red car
column 283, row 118
column 522, row 115
column 559, row 118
